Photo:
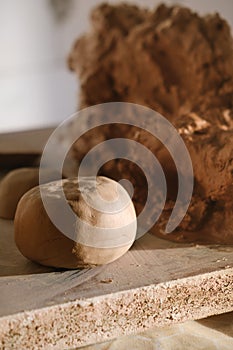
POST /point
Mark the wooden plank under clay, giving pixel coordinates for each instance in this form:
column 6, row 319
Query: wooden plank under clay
column 22, row 148
column 156, row 283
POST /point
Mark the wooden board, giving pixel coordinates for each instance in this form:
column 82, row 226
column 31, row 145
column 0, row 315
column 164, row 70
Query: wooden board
column 22, row 148
column 31, row 141
column 157, row 283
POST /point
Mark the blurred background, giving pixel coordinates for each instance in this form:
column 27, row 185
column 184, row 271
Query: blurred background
column 36, row 87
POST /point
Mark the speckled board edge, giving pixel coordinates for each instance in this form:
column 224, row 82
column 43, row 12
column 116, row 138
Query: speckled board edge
column 101, row 318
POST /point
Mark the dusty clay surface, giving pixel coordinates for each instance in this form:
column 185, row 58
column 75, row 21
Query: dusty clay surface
column 179, row 64
column 39, row 240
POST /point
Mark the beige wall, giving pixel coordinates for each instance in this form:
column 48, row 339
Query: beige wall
column 35, row 86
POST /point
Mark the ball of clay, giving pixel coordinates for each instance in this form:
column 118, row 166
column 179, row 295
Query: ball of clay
column 16, row 183
column 40, row 240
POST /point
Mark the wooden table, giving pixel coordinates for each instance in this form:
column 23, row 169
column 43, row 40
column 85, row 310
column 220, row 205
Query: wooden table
column 157, row 283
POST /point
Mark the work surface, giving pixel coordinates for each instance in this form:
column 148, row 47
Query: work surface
column 156, row 283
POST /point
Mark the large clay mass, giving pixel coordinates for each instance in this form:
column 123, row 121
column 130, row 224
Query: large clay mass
column 181, row 65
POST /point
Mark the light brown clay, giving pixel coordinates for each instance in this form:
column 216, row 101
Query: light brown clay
column 179, row 64
column 16, row 183
column 38, row 239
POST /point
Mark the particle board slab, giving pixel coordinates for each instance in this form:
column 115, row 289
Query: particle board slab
column 156, row 283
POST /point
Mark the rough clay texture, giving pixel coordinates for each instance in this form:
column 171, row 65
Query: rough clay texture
column 39, row 240
column 181, row 65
